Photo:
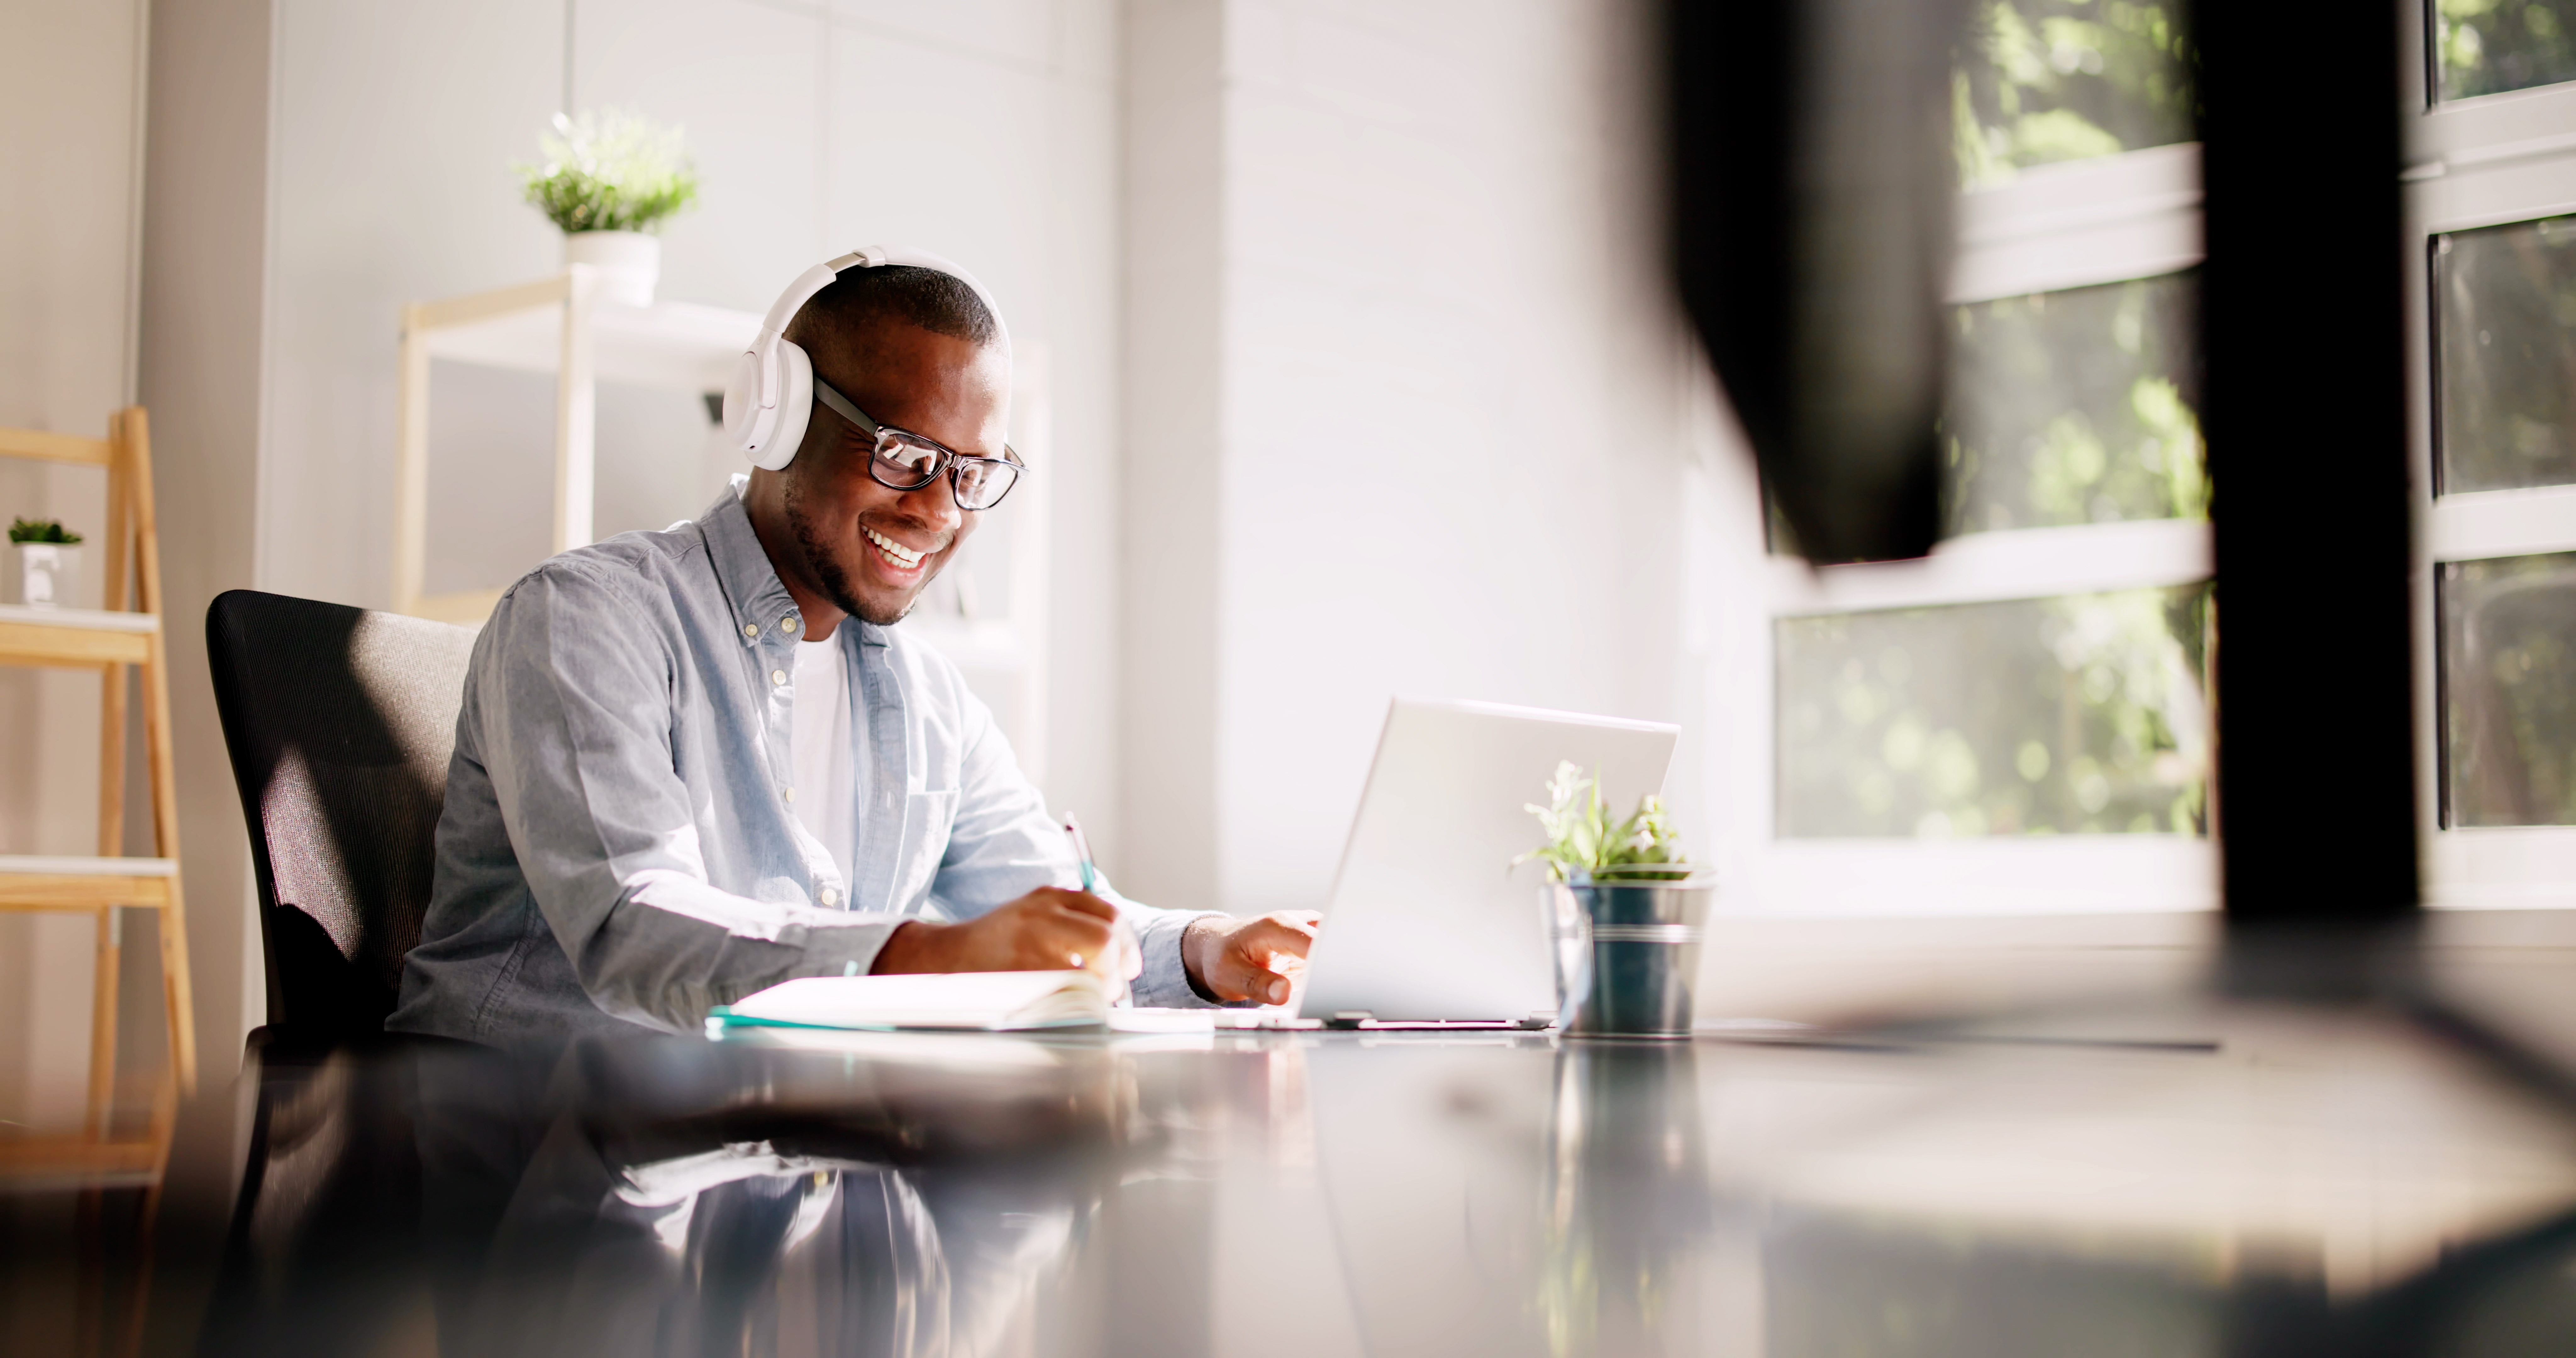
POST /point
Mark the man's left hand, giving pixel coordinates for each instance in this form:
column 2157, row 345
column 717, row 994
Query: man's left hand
column 1255, row 959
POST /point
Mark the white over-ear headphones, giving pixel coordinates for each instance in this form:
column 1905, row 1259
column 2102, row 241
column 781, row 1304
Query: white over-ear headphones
column 771, row 394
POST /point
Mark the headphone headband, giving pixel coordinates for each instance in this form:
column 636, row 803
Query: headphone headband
column 769, row 397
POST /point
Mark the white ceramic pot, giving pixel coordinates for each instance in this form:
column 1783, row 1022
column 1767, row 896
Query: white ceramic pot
column 48, row 574
column 629, row 263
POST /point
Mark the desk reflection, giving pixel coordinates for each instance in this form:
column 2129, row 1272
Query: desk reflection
column 911, row 1197
column 1545, row 1201
column 2287, row 1186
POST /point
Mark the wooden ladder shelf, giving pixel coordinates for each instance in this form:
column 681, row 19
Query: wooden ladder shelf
column 109, row 640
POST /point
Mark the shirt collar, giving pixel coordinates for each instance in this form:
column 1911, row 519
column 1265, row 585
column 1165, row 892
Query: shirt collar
column 761, row 604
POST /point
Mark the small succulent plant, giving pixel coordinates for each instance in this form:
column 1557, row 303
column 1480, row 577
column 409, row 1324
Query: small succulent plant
column 1583, row 843
column 42, row 530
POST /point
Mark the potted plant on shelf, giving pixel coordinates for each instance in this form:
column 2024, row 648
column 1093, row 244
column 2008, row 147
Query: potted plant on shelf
column 610, row 179
column 48, row 562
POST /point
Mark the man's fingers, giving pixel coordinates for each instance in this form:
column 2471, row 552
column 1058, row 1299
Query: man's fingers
column 1245, row 977
column 1059, row 936
column 1267, row 986
column 1082, row 902
column 1282, row 933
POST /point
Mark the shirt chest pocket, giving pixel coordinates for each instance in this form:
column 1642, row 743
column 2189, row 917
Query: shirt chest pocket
column 927, row 817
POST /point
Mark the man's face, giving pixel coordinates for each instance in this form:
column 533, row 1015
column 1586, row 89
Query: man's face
column 855, row 535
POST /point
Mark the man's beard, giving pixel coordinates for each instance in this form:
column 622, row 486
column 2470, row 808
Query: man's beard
column 810, row 539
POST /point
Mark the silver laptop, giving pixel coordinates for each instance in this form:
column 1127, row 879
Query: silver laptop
column 1426, row 920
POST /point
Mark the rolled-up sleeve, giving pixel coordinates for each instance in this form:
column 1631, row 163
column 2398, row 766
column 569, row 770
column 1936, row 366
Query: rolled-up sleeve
column 575, row 681
column 1003, row 845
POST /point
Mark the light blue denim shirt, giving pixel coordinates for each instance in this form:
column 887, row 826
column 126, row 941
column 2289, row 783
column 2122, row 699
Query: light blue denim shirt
column 619, row 846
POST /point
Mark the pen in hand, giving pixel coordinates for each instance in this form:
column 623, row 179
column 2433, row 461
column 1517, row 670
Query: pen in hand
column 1081, row 851
column 1090, row 879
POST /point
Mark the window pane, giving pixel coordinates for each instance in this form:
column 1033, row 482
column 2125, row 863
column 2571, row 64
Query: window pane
column 2041, row 81
column 2484, row 46
column 2081, row 714
column 2506, row 371
column 2075, row 407
column 2509, row 691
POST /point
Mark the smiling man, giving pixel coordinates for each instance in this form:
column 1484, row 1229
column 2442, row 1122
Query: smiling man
column 695, row 763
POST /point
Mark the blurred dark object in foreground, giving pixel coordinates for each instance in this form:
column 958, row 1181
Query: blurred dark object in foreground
column 2308, row 466
column 1812, row 189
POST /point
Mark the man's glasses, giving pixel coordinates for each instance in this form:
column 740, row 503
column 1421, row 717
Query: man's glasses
column 903, row 460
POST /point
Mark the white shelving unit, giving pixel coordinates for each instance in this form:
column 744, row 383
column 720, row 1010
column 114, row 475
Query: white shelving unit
column 561, row 327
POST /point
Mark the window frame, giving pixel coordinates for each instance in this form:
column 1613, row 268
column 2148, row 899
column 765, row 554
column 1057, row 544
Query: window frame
column 2113, row 219
column 2487, row 160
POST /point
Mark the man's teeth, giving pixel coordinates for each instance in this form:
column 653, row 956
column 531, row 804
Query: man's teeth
column 894, row 551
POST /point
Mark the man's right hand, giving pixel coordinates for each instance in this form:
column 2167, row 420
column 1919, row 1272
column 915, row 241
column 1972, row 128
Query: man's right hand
column 1045, row 930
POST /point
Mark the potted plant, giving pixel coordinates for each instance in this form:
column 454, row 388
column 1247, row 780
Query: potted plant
column 1623, row 914
column 48, row 562
column 610, row 179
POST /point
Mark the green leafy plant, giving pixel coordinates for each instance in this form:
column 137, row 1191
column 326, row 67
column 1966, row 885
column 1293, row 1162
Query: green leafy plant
column 41, row 530
column 610, row 171
column 1583, row 843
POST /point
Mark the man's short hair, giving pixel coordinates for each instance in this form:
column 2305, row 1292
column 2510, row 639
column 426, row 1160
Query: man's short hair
column 862, row 298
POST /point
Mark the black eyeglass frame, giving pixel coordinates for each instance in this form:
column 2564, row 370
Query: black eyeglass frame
column 950, row 460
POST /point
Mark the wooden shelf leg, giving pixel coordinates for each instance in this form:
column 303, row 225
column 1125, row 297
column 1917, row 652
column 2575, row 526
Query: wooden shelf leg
column 411, row 467
column 576, row 414
column 176, row 991
column 108, row 965
column 102, row 1021
column 111, row 762
column 112, row 680
column 177, row 994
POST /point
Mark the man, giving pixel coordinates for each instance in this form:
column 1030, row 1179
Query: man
column 696, row 763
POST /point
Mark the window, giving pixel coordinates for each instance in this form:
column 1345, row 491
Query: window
column 2020, row 722
column 2491, row 46
column 2508, row 664
column 2043, row 82
column 2491, row 202
column 2075, row 714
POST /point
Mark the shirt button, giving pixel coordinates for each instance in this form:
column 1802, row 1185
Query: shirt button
column 751, row 629
column 778, row 676
column 831, row 895
column 787, row 792
column 788, row 623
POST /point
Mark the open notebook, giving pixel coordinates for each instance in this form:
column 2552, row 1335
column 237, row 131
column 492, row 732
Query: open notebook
column 983, row 1001
column 986, row 1001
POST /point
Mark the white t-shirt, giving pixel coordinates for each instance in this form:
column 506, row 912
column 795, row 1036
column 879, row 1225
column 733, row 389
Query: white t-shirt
column 825, row 752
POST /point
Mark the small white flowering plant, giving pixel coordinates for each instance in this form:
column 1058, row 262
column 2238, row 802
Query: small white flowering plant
column 1585, row 845
column 610, row 171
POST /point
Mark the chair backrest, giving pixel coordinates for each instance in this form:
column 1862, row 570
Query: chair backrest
column 340, row 722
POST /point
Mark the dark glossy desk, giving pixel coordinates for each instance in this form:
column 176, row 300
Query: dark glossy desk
column 2181, row 1178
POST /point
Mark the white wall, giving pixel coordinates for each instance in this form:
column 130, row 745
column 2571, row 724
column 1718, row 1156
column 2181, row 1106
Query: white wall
column 69, row 74
column 1446, row 449
column 200, row 368
column 393, row 128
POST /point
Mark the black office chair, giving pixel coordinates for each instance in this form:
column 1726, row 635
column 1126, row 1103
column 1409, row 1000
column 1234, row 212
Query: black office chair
column 340, row 722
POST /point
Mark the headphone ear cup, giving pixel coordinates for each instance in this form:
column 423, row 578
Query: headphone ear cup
column 795, row 408
column 742, row 403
